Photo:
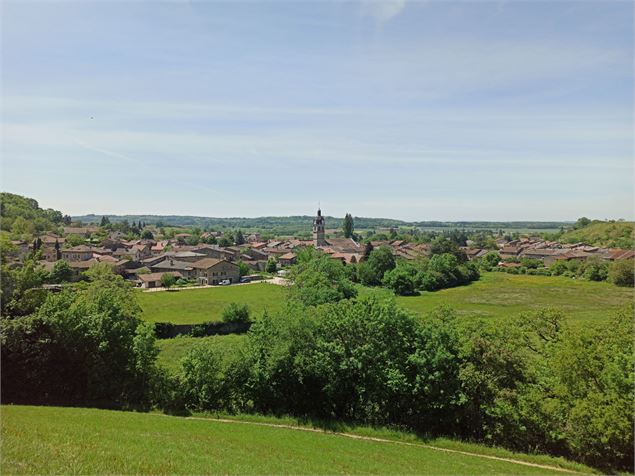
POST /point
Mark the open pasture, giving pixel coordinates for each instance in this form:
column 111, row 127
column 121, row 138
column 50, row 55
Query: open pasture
column 193, row 306
column 49, row 440
column 171, row 351
column 497, row 296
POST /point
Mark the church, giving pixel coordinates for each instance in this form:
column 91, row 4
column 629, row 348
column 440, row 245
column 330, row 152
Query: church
column 345, row 249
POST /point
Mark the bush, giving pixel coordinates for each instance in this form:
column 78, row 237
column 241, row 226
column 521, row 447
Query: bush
column 317, row 279
column 400, row 281
column 236, row 313
column 163, row 330
column 202, row 378
column 271, row 266
column 622, row 273
column 85, row 344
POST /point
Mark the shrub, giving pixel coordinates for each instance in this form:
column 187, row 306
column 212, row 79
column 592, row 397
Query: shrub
column 317, row 279
column 163, row 330
column 622, row 273
column 85, row 344
column 271, row 266
column 202, row 378
column 236, row 313
column 400, row 281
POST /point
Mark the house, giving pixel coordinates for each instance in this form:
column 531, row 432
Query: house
column 77, row 253
column 158, row 248
column 346, row 258
column 544, row 254
column 181, row 237
column 287, row 259
column 84, row 231
column 215, row 251
column 153, row 280
column 509, row 252
column 252, row 254
column 213, row 271
column 186, row 269
column 574, row 255
column 50, row 253
column 141, row 251
column 620, row 254
column 253, row 238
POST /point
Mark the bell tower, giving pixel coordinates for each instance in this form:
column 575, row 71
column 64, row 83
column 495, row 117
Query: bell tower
column 318, row 230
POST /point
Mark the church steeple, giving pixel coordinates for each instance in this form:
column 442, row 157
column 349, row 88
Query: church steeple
column 318, row 230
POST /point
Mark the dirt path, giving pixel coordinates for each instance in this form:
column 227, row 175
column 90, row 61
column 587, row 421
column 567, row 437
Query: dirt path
column 384, row 440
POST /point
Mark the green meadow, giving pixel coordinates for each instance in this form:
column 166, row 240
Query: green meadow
column 50, row 440
column 494, row 296
column 171, row 351
column 497, row 296
column 193, row 306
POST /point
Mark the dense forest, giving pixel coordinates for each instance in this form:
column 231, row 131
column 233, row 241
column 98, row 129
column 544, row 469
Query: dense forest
column 23, row 216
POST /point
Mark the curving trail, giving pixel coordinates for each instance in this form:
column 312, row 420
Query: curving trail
column 383, row 440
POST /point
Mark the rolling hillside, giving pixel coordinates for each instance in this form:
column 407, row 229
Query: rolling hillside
column 39, row 440
column 613, row 234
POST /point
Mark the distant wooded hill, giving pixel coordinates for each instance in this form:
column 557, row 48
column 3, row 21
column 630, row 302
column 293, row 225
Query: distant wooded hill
column 303, row 222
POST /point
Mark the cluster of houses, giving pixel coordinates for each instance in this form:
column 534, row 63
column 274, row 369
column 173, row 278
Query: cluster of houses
column 548, row 251
column 145, row 261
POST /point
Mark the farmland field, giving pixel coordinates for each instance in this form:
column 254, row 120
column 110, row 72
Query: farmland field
column 500, row 295
column 38, row 440
column 193, row 306
column 171, row 351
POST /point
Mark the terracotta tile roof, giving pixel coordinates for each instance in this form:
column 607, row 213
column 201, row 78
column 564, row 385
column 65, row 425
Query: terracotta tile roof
column 151, row 277
column 173, row 264
column 207, row 263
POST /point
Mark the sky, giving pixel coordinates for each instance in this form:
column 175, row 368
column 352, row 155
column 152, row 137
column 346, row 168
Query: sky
column 428, row 110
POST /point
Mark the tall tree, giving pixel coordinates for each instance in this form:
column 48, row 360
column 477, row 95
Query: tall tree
column 348, row 226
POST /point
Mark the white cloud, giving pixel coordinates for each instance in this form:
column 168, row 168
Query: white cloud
column 383, row 10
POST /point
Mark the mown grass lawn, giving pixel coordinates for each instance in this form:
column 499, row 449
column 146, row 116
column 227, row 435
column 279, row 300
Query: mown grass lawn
column 499, row 296
column 193, row 306
column 171, row 351
column 49, row 440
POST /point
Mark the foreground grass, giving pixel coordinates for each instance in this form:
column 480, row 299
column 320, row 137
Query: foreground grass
column 38, row 440
column 498, row 296
column 171, row 351
column 193, row 306
column 401, row 436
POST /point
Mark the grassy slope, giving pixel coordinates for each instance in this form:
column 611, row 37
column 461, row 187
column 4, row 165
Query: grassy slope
column 499, row 296
column 193, row 306
column 614, row 235
column 173, row 350
column 37, row 440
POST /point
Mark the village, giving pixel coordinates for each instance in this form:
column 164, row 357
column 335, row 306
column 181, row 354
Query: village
column 145, row 261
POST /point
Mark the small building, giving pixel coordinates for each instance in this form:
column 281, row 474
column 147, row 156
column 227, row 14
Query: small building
column 77, row 253
column 186, row 269
column 153, row 280
column 213, row 271
column 287, row 259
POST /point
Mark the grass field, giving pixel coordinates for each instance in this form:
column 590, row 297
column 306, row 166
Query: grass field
column 495, row 295
column 49, row 440
column 193, row 306
column 171, row 351
column 500, row 295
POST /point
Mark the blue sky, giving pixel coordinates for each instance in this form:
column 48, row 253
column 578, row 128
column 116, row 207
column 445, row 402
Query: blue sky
column 442, row 110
